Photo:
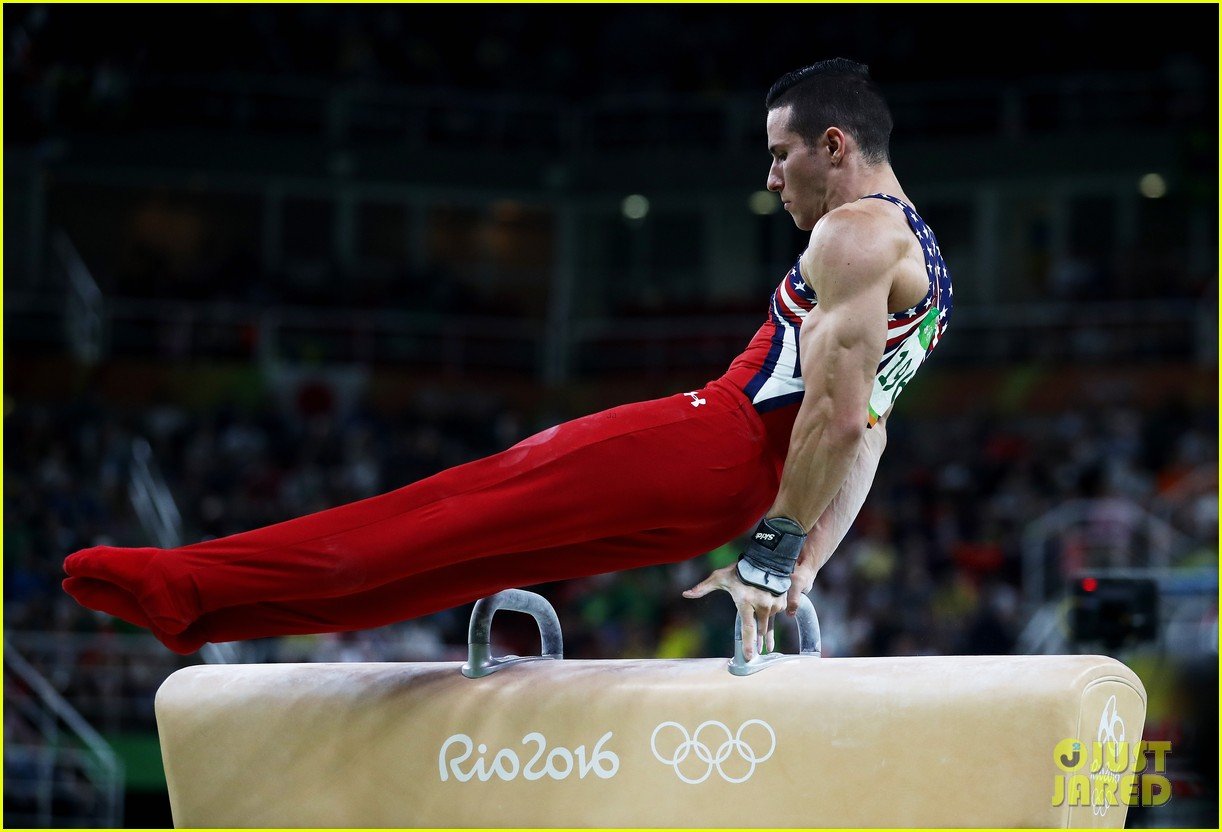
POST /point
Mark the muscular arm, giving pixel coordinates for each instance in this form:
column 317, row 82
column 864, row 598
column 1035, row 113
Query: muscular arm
column 842, row 342
column 831, row 460
column 834, row 523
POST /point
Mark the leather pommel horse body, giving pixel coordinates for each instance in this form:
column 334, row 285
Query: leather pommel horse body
column 782, row 741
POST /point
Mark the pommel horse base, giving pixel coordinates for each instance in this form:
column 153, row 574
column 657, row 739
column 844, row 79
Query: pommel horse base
column 782, row 741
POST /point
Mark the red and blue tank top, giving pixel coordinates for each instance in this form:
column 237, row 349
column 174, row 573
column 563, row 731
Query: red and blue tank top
column 912, row 334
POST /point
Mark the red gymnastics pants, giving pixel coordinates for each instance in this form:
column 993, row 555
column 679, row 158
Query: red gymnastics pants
column 647, row 483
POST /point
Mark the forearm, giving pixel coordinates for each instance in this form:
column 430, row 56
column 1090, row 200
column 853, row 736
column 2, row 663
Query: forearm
column 831, row 527
column 822, row 454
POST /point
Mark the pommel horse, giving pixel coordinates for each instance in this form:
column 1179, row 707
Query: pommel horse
column 541, row 741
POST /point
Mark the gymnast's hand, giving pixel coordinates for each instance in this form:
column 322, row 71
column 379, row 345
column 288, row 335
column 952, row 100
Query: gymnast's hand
column 756, row 607
column 802, row 580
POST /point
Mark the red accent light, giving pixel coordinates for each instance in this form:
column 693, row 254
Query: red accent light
column 1090, row 584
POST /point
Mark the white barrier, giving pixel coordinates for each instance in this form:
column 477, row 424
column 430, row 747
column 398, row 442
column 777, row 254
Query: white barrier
column 807, row 742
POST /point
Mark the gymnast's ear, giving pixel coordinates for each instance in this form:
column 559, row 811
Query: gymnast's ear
column 834, row 144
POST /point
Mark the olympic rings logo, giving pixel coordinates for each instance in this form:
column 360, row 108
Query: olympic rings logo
column 694, row 745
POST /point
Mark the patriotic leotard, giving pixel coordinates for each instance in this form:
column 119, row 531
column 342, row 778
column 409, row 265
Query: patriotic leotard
column 774, row 357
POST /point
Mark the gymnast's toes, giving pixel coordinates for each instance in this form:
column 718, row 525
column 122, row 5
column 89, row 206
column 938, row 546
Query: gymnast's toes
column 125, row 567
column 106, row 597
column 110, row 599
column 145, row 577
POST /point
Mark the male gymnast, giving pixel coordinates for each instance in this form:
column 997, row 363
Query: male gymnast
column 791, row 433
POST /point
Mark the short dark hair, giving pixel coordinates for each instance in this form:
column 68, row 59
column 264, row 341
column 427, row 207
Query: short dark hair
column 836, row 92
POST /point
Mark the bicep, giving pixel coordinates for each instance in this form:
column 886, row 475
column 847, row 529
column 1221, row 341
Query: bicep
column 847, row 334
column 853, row 274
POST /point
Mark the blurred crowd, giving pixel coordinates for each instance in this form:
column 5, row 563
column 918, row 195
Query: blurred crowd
column 77, row 66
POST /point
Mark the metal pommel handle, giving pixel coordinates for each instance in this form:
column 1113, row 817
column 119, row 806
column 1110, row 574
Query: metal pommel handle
column 479, row 650
column 809, row 641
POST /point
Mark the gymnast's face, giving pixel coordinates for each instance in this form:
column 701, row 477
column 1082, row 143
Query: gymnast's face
column 799, row 172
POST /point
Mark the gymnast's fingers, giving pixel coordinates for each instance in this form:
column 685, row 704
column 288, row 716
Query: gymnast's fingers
column 747, row 613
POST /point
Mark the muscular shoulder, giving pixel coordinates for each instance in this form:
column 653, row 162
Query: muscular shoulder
column 854, row 247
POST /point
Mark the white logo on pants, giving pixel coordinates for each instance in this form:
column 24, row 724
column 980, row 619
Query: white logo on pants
column 708, row 760
column 696, row 400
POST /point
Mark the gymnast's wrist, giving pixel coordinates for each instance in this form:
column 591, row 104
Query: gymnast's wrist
column 771, row 554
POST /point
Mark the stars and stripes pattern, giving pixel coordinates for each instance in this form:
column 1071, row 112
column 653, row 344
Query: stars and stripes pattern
column 900, row 325
column 779, row 382
column 793, row 299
